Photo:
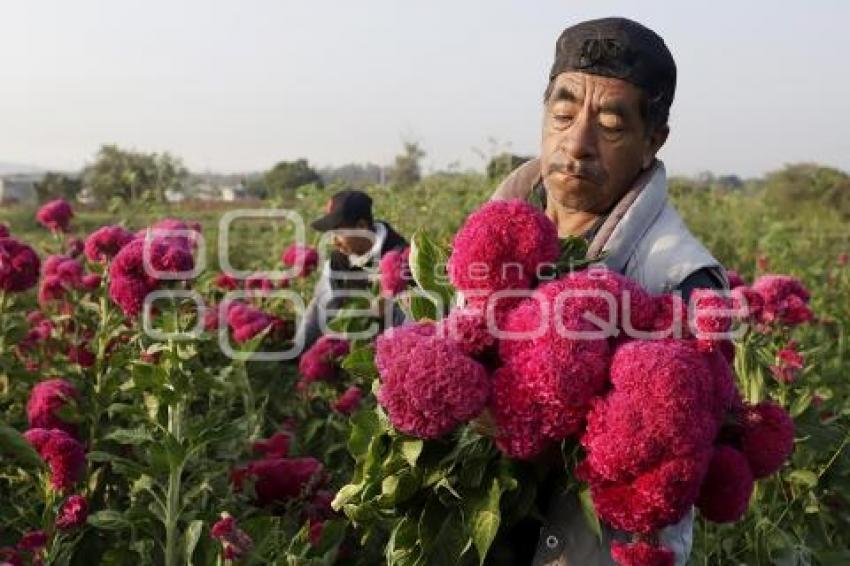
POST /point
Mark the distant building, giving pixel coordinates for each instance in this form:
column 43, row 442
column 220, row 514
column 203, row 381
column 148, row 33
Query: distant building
column 18, row 189
column 232, row 193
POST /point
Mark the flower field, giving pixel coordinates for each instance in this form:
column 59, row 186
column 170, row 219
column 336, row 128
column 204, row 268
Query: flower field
column 150, row 433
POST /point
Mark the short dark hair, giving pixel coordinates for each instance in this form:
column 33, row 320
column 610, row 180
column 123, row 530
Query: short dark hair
column 655, row 110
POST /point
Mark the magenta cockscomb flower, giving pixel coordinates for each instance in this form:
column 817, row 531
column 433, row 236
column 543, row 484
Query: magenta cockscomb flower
column 726, row 490
column 47, row 399
column 305, row 258
column 105, row 242
column 4, row 230
column 278, row 480
column 649, row 441
column 133, row 273
column 246, row 322
column 468, row 328
column 395, row 272
column 226, row 282
column 235, row 543
column 789, row 363
column 348, row 402
column 73, row 513
column 428, row 385
column 275, row 446
column 55, row 215
column 641, row 553
column 767, row 439
column 785, row 300
column 33, row 541
column 502, row 245
column 173, row 230
column 19, row 266
column 64, row 455
column 735, row 279
column 321, row 361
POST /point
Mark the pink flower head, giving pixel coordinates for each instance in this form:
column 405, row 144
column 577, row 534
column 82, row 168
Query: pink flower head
column 105, row 242
column 641, row 553
column 321, row 361
column 712, row 318
column 81, row 354
column 789, row 363
column 726, row 490
column 395, row 272
column 175, row 231
column 768, row 437
column 19, row 266
column 280, row 479
column 348, row 402
column 4, row 230
column 259, row 282
column 74, row 247
column 49, row 397
column 246, row 322
column 33, row 541
column 305, row 258
column 735, row 279
column 276, row 446
column 55, row 215
column 235, row 543
column 130, row 279
column 91, row 281
column 843, row 259
column 226, row 282
column 428, row 385
column 65, row 456
column 785, row 300
column 467, row 327
column 502, row 245
column 747, row 303
column 73, row 513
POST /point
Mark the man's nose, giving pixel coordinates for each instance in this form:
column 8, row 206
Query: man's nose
column 579, row 141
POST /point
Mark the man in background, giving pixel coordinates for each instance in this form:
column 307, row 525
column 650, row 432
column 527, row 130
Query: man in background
column 359, row 242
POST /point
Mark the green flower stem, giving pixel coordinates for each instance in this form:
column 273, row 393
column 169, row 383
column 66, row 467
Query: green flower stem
column 172, row 509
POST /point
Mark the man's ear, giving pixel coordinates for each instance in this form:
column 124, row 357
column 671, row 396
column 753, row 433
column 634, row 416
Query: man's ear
column 656, row 141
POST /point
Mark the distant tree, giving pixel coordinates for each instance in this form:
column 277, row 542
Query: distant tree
column 130, row 175
column 57, row 185
column 255, row 186
column 287, row 176
column 500, row 165
column 407, row 172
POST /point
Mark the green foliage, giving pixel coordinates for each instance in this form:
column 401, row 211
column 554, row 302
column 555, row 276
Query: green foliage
column 131, row 175
column 406, row 171
column 286, row 176
column 500, row 165
column 57, row 185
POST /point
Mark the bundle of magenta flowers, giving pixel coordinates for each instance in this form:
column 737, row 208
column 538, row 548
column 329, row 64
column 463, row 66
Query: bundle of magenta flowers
column 544, row 354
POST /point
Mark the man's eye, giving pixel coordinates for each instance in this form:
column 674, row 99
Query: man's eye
column 563, row 118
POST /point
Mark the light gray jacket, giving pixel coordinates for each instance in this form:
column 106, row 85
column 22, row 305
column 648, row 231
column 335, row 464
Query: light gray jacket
column 646, row 240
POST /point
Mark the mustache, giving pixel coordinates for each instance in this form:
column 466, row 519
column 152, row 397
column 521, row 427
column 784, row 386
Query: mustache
column 574, row 168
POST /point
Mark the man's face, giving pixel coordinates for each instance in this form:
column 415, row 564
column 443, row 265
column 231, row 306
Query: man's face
column 595, row 141
column 354, row 244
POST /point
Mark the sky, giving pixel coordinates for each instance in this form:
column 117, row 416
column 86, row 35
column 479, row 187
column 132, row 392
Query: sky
column 236, row 86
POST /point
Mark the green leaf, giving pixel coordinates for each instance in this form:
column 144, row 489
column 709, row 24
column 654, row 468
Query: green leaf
column 15, row 445
column 360, row 363
column 427, row 266
column 806, row 478
column 108, row 520
column 345, row 495
column 364, row 427
column 410, row 449
column 133, row 436
column 590, row 516
column 191, row 537
column 483, row 518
